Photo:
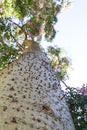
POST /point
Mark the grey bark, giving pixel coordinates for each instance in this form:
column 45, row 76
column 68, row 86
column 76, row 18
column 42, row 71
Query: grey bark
column 30, row 96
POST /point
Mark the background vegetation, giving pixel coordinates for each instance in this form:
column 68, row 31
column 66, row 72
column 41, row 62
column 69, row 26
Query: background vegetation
column 77, row 102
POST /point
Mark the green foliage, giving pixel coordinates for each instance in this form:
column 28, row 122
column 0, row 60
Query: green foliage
column 58, row 62
column 7, row 50
column 77, row 101
column 7, row 54
column 25, row 19
column 42, row 15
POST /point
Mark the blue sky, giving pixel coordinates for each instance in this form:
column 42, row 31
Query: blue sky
column 72, row 36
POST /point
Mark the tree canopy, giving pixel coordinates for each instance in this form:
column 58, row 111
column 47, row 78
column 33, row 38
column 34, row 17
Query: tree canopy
column 25, row 19
column 59, row 62
column 33, row 18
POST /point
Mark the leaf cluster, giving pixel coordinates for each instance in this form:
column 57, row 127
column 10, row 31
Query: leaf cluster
column 7, row 54
column 77, row 103
column 42, row 15
column 58, row 62
column 26, row 19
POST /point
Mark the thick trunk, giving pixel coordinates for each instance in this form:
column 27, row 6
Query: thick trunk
column 31, row 96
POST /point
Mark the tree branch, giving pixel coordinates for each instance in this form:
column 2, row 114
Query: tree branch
column 65, row 84
column 22, row 28
column 18, row 44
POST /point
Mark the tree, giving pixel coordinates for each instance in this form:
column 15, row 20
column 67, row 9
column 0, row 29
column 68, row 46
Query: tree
column 30, row 93
column 58, row 62
column 77, row 101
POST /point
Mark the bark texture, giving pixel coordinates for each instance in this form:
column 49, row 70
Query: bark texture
column 30, row 96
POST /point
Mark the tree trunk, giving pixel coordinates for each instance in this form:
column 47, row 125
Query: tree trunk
column 31, row 97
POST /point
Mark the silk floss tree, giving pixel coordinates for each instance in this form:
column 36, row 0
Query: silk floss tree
column 30, row 94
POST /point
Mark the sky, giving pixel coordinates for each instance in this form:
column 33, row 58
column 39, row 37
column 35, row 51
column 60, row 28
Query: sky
column 72, row 36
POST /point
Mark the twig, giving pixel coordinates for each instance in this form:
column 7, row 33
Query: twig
column 22, row 28
column 65, row 84
column 18, row 44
